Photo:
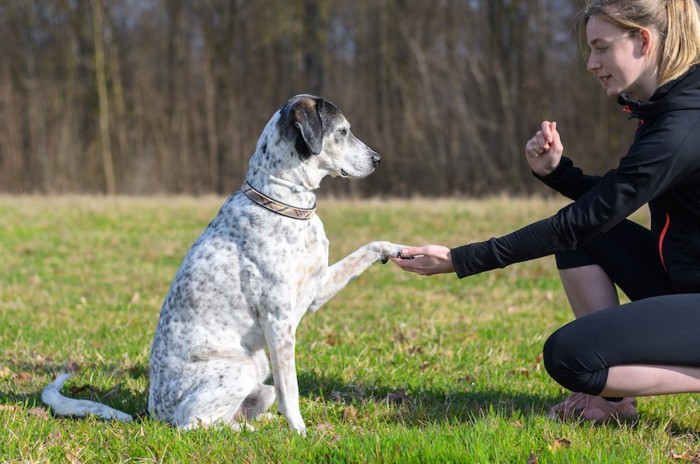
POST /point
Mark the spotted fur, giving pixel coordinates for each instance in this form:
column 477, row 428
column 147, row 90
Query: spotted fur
column 248, row 279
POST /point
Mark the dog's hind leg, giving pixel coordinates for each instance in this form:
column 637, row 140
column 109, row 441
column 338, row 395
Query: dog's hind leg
column 221, row 388
column 262, row 396
column 258, row 402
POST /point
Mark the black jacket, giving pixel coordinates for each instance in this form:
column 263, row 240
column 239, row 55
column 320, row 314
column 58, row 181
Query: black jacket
column 661, row 168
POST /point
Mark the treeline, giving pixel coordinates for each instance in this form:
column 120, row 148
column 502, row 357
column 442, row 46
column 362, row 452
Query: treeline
column 169, row 96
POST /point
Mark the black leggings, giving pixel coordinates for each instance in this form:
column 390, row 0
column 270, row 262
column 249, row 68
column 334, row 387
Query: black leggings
column 659, row 326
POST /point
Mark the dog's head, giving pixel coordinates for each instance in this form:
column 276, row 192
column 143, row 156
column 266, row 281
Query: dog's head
column 321, row 136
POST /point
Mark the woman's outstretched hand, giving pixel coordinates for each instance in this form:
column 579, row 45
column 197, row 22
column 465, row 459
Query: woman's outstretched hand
column 425, row 260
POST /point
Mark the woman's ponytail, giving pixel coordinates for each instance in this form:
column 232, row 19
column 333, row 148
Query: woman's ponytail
column 681, row 41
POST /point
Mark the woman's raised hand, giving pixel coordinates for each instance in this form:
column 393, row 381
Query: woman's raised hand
column 543, row 151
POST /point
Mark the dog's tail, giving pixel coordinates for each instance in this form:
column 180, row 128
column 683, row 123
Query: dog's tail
column 64, row 406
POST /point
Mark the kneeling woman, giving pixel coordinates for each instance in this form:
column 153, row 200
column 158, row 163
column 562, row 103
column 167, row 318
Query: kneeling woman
column 645, row 53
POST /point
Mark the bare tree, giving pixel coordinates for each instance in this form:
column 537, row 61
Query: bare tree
column 103, row 98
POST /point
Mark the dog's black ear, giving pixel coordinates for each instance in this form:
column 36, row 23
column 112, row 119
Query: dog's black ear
column 307, row 118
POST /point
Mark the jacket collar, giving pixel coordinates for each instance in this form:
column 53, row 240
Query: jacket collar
column 663, row 99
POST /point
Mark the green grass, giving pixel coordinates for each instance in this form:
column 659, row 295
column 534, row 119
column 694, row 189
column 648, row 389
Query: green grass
column 397, row 368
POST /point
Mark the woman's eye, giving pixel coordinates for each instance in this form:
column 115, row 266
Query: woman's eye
column 596, row 50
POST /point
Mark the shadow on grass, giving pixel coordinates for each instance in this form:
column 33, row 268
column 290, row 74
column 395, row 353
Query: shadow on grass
column 414, row 408
column 419, row 406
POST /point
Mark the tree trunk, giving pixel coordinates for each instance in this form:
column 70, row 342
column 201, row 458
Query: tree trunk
column 103, row 97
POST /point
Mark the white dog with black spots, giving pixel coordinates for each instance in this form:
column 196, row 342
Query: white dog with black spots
column 249, row 278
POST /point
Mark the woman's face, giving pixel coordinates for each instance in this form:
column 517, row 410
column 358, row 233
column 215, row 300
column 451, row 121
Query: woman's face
column 621, row 60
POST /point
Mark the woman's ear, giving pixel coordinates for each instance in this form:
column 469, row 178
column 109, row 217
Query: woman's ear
column 648, row 40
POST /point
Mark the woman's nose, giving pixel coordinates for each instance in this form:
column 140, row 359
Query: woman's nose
column 592, row 64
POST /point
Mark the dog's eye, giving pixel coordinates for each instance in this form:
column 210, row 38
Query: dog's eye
column 343, row 132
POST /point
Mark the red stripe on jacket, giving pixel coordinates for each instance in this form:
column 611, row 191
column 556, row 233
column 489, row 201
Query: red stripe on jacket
column 661, row 241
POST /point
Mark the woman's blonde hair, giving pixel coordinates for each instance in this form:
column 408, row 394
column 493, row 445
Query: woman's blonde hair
column 676, row 21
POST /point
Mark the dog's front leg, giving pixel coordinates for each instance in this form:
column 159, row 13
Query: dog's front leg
column 280, row 337
column 341, row 273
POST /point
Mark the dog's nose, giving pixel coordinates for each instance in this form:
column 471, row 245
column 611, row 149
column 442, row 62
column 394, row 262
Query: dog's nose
column 376, row 159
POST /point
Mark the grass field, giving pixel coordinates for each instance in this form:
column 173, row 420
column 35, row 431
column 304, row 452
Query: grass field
column 397, row 368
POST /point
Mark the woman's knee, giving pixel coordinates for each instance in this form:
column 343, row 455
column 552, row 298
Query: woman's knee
column 554, row 354
column 562, row 360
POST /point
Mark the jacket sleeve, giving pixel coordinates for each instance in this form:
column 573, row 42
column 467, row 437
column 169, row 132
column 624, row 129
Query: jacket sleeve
column 654, row 163
column 569, row 180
